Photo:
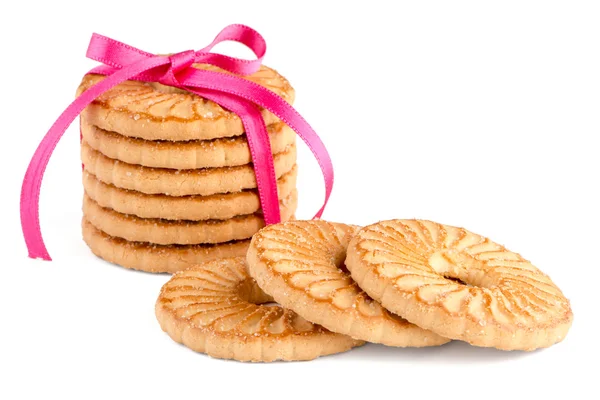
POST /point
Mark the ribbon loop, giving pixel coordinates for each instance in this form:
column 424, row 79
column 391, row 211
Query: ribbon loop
column 241, row 34
column 122, row 62
column 113, row 53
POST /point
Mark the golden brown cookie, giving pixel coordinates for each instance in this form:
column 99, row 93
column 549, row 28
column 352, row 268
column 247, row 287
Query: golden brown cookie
column 156, row 258
column 193, row 154
column 193, row 208
column 174, row 182
column 216, row 308
column 160, row 231
column 300, row 264
column 458, row 284
column 156, row 112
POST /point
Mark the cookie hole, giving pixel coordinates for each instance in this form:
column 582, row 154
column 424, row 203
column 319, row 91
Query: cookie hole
column 457, row 280
column 249, row 291
column 458, row 267
column 344, row 269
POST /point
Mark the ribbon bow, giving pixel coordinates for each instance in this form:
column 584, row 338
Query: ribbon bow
column 242, row 97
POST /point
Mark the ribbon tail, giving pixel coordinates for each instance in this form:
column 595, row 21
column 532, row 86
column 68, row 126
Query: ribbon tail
column 32, row 182
column 262, row 160
column 260, row 149
column 294, row 120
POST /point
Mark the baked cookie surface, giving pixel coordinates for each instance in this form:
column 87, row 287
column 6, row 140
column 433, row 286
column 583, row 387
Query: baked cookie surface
column 458, row 284
column 159, row 231
column 193, row 208
column 300, row 264
column 191, row 154
column 153, row 111
column 173, row 182
column 155, row 258
column 217, row 309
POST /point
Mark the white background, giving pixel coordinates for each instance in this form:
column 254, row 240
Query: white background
column 478, row 114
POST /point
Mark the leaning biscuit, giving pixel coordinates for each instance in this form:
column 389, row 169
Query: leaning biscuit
column 300, row 264
column 161, row 231
column 458, row 284
column 193, row 208
column 156, row 258
column 216, row 308
column 193, row 154
column 153, row 111
column 174, row 182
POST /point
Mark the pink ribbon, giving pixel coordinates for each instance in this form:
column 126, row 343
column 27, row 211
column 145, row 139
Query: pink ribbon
column 123, row 62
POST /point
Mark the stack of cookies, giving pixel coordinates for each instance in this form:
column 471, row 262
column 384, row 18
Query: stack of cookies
column 168, row 175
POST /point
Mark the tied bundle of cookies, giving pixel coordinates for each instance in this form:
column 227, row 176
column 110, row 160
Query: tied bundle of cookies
column 185, row 157
column 168, row 175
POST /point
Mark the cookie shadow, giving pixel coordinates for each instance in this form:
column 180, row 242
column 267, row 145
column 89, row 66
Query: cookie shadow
column 454, row 352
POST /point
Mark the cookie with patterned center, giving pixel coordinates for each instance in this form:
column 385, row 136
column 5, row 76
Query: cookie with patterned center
column 458, row 284
column 152, row 111
column 153, row 257
column 194, row 208
column 160, row 231
column 301, row 264
column 175, row 182
column 192, row 154
column 217, row 309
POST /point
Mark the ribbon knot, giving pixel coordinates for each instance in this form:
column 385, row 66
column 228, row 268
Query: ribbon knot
column 122, row 62
column 178, row 62
column 182, row 60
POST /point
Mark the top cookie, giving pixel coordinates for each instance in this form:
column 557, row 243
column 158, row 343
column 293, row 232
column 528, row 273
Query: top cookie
column 458, row 284
column 154, row 111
